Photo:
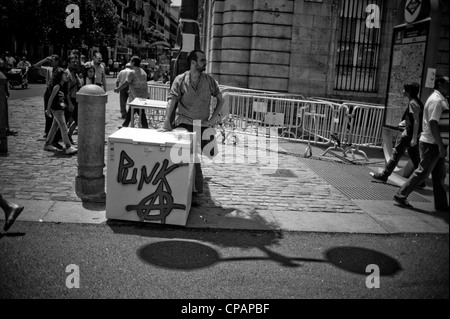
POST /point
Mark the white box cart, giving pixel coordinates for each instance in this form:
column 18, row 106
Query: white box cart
column 150, row 176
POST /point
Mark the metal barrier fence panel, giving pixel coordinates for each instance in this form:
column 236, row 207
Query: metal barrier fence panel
column 366, row 124
column 297, row 118
column 158, row 91
column 306, row 120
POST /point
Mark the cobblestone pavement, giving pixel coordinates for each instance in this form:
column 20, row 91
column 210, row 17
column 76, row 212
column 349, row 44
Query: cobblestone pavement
column 31, row 173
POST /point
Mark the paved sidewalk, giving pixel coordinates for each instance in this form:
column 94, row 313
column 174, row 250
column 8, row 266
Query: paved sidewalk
column 319, row 194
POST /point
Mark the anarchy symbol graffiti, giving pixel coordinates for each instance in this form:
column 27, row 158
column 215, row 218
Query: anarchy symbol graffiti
column 159, row 200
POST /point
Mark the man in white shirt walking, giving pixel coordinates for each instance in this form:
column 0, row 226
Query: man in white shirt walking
column 123, row 93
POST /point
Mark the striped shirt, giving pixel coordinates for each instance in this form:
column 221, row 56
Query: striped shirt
column 436, row 109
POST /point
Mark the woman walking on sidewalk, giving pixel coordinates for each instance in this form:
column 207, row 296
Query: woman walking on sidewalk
column 57, row 104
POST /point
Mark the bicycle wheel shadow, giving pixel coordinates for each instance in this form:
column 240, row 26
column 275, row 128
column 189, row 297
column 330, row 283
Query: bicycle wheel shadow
column 184, row 249
column 212, row 228
column 180, row 254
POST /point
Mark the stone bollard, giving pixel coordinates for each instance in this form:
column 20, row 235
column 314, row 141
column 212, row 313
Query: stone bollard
column 3, row 115
column 90, row 181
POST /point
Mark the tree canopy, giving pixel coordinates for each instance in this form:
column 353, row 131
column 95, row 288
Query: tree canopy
column 45, row 20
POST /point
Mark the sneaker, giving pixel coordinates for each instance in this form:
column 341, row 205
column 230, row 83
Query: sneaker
column 422, row 185
column 379, row 177
column 57, row 146
column 402, row 202
column 71, row 150
column 50, row 148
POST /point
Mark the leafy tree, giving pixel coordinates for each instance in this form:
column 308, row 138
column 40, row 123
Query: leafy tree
column 45, row 20
column 152, row 35
column 18, row 18
column 99, row 22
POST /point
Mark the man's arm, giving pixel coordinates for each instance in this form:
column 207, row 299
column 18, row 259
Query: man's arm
column 50, row 100
column 120, row 88
column 215, row 116
column 435, row 131
column 40, row 63
column 169, row 110
column 415, row 110
column 104, row 80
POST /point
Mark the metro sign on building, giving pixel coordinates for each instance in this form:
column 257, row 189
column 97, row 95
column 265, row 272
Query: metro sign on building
column 412, row 10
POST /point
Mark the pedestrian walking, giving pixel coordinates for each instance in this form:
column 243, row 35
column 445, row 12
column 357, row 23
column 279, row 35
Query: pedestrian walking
column 191, row 92
column 110, row 65
column 433, row 145
column 137, row 83
column 89, row 75
column 100, row 75
column 82, row 60
column 48, row 72
column 23, row 64
column 11, row 210
column 74, row 85
column 10, row 60
column 116, row 68
column 411, row 121
column 123, row 93
column 57, row 104
column 3, row 72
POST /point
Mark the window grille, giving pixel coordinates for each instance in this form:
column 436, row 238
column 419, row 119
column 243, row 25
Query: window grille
column 358, row 47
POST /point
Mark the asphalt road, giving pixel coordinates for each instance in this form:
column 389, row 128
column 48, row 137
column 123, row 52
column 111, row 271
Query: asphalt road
column 40, row 260
column 120, row 260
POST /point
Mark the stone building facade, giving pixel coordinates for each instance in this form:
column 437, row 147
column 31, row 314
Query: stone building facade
column 327, row 48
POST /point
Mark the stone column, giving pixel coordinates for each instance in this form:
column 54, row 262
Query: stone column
column 3, row 137
column 90, row 181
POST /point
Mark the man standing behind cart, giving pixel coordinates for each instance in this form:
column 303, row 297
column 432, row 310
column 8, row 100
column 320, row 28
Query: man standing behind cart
column 192, row 91
column 137, row 82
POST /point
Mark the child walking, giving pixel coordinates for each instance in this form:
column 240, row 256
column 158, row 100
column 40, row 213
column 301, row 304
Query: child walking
column 57, row 103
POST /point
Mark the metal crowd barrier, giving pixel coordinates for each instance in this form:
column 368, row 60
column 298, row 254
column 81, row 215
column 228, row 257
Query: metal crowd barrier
column 158, row 91
column 323, row 122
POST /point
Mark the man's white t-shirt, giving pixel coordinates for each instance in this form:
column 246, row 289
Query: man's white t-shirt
column 434, row 107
